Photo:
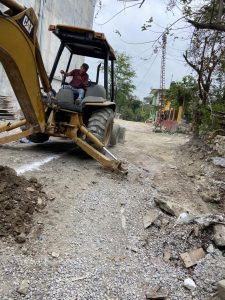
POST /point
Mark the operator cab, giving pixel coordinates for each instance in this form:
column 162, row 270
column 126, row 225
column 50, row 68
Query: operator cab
column 85, row 42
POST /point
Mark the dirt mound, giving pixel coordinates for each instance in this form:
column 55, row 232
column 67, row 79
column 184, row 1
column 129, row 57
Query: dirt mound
column 19, row 198
column 200, row 164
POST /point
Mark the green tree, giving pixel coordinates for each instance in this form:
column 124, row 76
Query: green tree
column 124, row 75
column 208, row 16
column 184, row 93
column 206, row 58
column 128, row 105
column 205, row 54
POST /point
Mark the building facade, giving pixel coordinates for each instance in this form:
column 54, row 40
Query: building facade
column 66, row 12
column 154, row 100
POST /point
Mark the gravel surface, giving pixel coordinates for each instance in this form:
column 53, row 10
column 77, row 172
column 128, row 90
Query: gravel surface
column 90, row 242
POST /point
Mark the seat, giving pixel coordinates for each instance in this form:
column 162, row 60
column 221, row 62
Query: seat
column 66, row 100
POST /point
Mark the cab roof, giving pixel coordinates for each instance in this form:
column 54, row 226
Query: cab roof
column 85, row 42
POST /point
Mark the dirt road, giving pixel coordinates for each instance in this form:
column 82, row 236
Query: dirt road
column 90, row 242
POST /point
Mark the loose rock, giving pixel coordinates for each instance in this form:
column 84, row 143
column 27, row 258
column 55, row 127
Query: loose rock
column 156, row 295
column 55, row 254
column 150, row 217
column 24, row 286
column 221, row 289
column 191, row 258
column 189, row 284
column 219, row 161
column 219, row 235
column 167, row 206
column 21, row 238
column 210, row 249
column 30, row 189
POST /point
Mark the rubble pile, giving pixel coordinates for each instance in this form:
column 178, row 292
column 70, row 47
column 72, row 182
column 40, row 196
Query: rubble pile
column 205, row 163
column 19, row 199
column 192, row 200
column 219, row 144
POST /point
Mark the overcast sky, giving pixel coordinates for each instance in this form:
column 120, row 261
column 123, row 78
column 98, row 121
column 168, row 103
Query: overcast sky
column 129, row 22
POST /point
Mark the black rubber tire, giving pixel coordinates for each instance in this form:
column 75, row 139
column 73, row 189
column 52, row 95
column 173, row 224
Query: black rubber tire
column 115, row 135
column 38, row 137
column 101, row 124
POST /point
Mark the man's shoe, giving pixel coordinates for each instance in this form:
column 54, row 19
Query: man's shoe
column 78, row 102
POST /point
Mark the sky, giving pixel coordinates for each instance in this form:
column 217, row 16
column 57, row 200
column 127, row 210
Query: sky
column 145, row 61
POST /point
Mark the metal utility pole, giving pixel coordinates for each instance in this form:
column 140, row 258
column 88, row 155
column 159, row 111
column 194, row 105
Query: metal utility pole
column 162, row 82
column 163, row 70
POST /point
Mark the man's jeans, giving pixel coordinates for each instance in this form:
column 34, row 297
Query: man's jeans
column 80, row 91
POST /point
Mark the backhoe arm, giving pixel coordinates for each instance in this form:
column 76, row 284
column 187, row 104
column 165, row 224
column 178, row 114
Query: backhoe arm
column 21, row 59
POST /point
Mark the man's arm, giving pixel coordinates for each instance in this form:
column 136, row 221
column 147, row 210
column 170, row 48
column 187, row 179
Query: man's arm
column 85, row 81
column 66, row 73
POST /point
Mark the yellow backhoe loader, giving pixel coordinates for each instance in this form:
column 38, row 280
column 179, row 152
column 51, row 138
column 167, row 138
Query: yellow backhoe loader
column 47, row 113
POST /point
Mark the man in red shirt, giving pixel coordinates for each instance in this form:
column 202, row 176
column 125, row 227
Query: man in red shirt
column 79, row 82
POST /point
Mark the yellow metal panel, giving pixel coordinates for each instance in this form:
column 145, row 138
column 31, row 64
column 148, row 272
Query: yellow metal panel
column 17, row 54
column 14, row 137
column 10, row 126
column 101, row 158
column 180, row 114
column 90, row 136
column 71, row 28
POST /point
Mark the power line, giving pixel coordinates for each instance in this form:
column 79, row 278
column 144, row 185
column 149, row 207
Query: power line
column 141, row 3
column 117, row 14
column 148, row 70
column 138, row 43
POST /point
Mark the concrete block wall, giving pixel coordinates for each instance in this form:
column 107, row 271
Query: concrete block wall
column 67, row 12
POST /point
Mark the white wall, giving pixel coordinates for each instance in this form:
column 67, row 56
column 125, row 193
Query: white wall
column 68, row 12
